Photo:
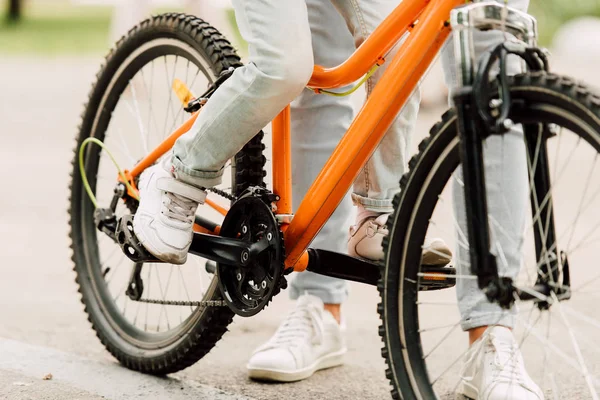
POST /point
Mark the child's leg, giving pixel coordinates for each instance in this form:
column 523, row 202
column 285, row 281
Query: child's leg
column 377, row 183
column 281, row 63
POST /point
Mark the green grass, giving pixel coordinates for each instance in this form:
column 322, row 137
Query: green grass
column 57, row 29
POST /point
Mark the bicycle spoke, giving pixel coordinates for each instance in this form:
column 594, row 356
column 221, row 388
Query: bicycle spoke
column 461, row 356
column 115, row 269
column 162, row 295
column 463, row 241
column 577, row 349
column 578, row 212
column 450, row 331
column 580, row 316
column 551, row 346
column 539, row 206
column 526, row 334
column 149, row 289
column 170, row 99
column 138, row 117
column 436, row 303
column 589, row 282
column 546, row 349
column 435, row 328
column 125, row 149
column 187, row 294
column 125, row 306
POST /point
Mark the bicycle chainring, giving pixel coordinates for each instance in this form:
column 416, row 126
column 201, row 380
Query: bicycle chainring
column 248, row 289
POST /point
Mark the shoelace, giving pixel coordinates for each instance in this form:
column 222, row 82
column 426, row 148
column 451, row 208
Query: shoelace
column 298, row 326
column 506, row 361
column 379, row 222
column 179, row 208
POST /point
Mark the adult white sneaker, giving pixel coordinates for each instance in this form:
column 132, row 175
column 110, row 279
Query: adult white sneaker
column 164, row 219
column 309, row 339
column 494, row 370
column 366, row 238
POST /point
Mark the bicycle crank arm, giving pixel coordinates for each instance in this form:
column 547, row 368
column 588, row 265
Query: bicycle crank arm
column 342, row 266
column 222, row 250
column 226, row 251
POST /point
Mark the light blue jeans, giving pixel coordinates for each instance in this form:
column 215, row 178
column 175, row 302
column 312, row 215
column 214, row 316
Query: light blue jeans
column 285, row 40
column 281, row 63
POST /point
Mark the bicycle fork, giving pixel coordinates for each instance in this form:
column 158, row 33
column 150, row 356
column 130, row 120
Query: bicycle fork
column 475, row 121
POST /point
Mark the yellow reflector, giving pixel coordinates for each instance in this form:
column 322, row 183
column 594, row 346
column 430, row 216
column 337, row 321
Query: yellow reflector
column 434, row 277
column 183, row 93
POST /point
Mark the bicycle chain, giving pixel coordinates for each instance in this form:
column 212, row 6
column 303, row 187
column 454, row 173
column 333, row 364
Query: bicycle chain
column 210, row 303
column 222, row 194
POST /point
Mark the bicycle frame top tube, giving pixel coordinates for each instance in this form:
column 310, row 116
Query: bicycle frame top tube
column 372, row 50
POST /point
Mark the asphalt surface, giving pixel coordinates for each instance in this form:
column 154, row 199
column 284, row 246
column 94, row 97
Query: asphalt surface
column 39, row 303
column 43, row 328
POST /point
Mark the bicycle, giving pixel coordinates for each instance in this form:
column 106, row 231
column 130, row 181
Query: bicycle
column 258, row 241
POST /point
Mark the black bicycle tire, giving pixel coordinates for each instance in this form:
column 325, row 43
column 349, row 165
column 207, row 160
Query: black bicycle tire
column 249, row 163
column 401, row 341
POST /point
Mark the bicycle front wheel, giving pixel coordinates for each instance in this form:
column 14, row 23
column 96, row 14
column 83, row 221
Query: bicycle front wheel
column 424, row 345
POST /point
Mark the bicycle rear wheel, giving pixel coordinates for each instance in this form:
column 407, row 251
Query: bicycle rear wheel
column 423, row 341
column 133, row 107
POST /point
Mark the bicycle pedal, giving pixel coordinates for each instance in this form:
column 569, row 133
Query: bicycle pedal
column 130, row 244
column 437, row 277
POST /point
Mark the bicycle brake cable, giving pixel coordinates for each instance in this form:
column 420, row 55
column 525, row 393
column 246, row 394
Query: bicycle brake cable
column 84, row 179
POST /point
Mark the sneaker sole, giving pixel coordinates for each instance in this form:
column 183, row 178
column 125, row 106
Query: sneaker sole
column 144, row 241
column 431, row 261
column 466, row 392
column 328, row 361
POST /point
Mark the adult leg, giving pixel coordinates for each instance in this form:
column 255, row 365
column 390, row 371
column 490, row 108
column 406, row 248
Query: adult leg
column 318, row 124
column 489, row 325
column 506, row 180
column 310, row 338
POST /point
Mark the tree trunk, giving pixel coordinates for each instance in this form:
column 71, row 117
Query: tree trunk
column 14, row 10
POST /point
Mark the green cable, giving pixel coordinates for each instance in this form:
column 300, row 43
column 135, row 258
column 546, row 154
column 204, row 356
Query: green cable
column 84, row 179
column 354, row 89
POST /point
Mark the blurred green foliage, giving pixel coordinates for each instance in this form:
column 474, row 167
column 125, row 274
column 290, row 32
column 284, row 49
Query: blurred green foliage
column 551, row 14
column 57, row 27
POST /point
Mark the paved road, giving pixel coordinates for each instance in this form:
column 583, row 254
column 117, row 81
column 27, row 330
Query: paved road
column 44, row 329
column 39, row 304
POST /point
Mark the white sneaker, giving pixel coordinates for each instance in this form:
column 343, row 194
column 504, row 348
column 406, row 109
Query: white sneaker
column 308, row 340
column 366, row 238
column 164, row 219
column 494, row 370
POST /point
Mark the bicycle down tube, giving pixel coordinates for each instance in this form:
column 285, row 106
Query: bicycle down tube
column 368, row 128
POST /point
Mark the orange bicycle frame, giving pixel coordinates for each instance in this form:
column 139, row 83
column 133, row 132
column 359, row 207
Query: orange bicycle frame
column 427, row 22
